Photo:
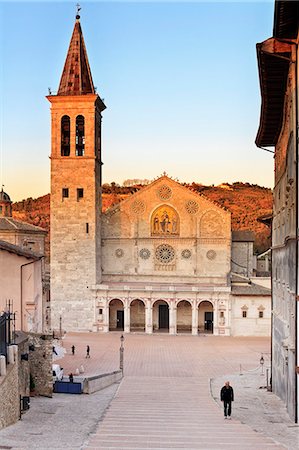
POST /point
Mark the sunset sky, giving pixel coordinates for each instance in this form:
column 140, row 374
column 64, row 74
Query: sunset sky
column 179, row 79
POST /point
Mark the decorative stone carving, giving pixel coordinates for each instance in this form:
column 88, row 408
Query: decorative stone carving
column 192, row 206
column 164, row 253
column 138, row 207
column 144, row 253
column 164, row 192
column 211, row 225
column 165, row 221
column 119, row 253
column 186, row 253
column 211, row 254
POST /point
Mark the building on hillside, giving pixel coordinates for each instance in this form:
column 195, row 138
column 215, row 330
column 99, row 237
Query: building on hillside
column 159, row 260
column 278, row 72
column 22, row 276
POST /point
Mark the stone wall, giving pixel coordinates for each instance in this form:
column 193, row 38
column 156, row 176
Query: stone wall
column 23, row 365
column 242, row 258
column 40, row 361
column 98, row 382
column 9, row 394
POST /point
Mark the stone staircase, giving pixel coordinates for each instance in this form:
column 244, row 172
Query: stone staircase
column 171, row 413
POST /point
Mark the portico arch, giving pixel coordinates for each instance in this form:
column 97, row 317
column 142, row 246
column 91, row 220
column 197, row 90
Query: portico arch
column 160, row 315
column 116, row 315
column 205, row 317
column 137, row 315
column 184, row 317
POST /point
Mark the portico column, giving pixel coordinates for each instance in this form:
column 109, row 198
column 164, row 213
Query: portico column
column 216, row 318
column 127, row 312
column 148, row 317
column 194, row 319
column 106, row 317
column 172, row 318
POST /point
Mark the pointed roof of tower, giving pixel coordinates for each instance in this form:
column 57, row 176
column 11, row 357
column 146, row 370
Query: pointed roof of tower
column 76, row 77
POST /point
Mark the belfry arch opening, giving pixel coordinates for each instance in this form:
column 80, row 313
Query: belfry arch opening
column 65, row 147
column 116, row 315
column 206, row 317
column 137, row 315
column 161, row 316
column 80, row 136
column 184, row 317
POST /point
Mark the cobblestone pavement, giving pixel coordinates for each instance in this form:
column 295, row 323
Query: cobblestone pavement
column 164, row 400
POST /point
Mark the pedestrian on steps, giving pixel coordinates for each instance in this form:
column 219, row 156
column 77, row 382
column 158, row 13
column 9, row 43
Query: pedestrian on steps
column 87, row 352
column 227, row 397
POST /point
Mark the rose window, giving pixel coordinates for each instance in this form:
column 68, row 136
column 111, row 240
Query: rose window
column 144, row 253
column 164, row 192
column 192, row 207
column 165, row 253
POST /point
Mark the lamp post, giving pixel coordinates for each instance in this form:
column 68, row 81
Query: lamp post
column 60, row 326
column 262, row 364
column 121, row 354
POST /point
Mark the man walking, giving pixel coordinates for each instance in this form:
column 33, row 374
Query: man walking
column 227, row 397
column 87, row 352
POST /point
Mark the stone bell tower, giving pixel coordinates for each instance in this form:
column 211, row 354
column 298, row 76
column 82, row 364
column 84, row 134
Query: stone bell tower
column 75, row 191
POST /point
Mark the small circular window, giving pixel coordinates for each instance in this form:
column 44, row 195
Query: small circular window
column 164, row 192
column 144, row 253
column 211, row 254
column 192, row 207
column 186, row 254
column 119, row 253
column 138, row 207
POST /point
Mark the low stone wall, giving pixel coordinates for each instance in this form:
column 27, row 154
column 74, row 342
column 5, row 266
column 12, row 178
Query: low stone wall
column 40, row 362
column 23, row 365
column 9, row 395
column 98, row 382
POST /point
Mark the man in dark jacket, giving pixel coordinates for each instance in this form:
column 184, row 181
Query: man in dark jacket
column 227, row 397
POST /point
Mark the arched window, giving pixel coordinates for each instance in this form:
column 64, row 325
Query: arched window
column 80, row 136
column 65, row 135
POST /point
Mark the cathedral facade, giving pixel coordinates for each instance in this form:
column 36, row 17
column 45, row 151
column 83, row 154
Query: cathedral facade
column 158, row 261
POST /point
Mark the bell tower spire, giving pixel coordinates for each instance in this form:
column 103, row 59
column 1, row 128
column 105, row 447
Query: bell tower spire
column 76, row 172
column 76, row 77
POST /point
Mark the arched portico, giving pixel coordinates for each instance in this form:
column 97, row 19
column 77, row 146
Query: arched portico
column 206, row 317
column 184, row 317
column 160, row 315
column 116, row 315
column 137, row 315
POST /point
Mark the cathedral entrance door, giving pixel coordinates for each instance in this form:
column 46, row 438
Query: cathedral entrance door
column 120, row 319
column 209, row 321
column 163, row 316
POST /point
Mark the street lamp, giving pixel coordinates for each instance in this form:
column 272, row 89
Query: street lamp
column 121, row 354
column 262, row 361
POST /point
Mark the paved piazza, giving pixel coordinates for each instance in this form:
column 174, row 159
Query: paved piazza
column 167, row 399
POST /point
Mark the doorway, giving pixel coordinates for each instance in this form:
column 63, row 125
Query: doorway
column 209, row 321
column 163, row 316
column 120, row 319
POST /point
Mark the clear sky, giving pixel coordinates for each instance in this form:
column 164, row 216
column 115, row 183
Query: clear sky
column 179, row 80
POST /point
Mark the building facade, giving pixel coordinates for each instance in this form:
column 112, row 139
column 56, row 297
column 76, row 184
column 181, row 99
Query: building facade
column 159, row 260
column 22, row 270
column 278, row 71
